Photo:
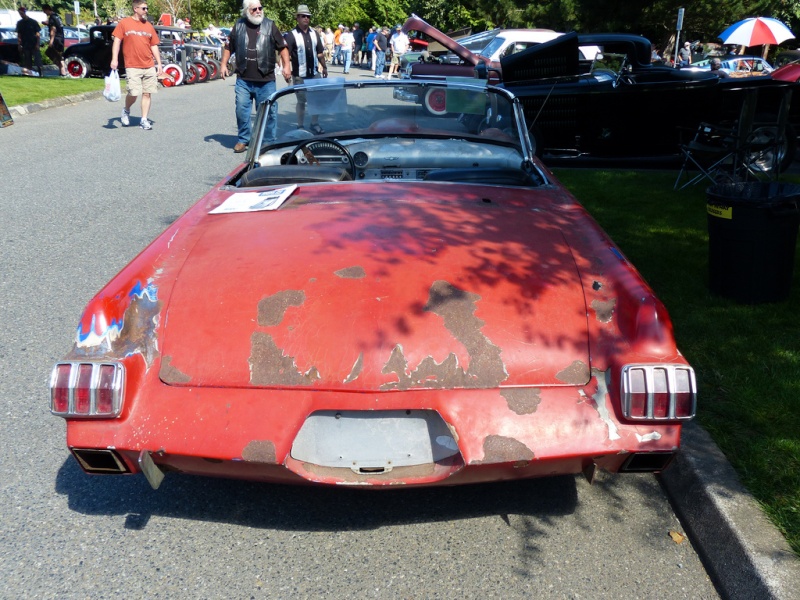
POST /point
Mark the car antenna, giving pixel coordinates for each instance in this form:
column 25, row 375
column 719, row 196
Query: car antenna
column 541, row 108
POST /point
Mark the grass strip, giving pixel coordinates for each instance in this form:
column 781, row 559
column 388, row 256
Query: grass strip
column 747, row 358
column 18, row 90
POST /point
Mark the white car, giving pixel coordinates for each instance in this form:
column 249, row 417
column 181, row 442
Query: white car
column 736, row 64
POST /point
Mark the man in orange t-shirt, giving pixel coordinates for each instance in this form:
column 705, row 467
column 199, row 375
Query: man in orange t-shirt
column 139, row 42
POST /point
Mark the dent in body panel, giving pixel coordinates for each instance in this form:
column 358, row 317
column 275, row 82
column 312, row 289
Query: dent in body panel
column 457, row 308
column 133, row 332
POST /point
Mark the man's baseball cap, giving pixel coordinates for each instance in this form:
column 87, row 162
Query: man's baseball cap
column 302, row 9
column 398, row 27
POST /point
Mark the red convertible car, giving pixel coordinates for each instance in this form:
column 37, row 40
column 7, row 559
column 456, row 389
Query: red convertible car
column 402, row 299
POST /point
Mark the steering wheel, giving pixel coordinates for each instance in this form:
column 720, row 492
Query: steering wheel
column 330, row 151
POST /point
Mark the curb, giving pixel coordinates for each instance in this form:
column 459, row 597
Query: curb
column 743, row 552
column 25, row 109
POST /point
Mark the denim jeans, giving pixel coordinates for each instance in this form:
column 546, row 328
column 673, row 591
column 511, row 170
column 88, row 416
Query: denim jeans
column 346, row 56
column 380, row 62
column 246, row 92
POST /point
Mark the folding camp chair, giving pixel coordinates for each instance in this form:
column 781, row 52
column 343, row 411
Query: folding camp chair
column 766, row 145
column 717, row 151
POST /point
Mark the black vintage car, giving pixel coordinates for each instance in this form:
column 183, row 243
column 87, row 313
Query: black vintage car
column 621, row 106
column 93, row 58
column 615, row 105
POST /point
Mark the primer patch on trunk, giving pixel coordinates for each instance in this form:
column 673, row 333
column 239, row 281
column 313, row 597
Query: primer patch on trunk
column 575, row 374
column 171, row 374
column 272, row 308
column 604, row 310
column 269, row 366
column 351, row 273
column 457, row 308
column 260, row 451
column 501, row 449
column 523, row 401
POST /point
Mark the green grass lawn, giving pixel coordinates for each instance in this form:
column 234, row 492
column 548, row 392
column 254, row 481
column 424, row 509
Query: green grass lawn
column 747, row 358
column 18, row 89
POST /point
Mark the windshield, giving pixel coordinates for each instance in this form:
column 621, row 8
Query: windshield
column 339, row 108
column 392, row 129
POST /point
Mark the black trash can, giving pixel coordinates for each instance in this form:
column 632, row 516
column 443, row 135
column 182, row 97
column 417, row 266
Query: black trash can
column 752, row 235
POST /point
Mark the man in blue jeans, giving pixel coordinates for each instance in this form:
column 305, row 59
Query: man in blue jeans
column 254, row 41
column 380, row 44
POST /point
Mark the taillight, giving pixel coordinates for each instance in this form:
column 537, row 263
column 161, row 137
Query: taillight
column 85, row 389
column 658, row 392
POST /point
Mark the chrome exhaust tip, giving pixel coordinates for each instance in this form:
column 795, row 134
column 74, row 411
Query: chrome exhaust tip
column 100, row 462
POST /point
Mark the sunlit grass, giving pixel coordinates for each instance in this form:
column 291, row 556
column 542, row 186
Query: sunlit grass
column 18, row 89
column 747, row 358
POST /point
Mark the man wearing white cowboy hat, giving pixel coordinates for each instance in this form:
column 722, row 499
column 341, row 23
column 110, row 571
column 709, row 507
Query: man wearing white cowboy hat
column 254, row 40
column 307, row 52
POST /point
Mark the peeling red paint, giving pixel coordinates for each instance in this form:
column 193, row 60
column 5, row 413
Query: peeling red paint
column 269, row 366
column 355, row 272
column 260, row 451
column 171, row 374
column 357, row 368
column 604, row 310
column 457, row 308
column 501, row 449
column 522, row 401
column 575, row 374
column 272, row 308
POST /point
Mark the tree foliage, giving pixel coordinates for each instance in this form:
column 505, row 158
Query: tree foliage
column 655, row 19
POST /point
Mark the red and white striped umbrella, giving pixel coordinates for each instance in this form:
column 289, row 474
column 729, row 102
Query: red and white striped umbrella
column 756, row 31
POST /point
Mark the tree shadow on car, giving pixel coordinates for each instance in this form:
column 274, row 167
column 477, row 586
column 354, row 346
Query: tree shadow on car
column 304, row 508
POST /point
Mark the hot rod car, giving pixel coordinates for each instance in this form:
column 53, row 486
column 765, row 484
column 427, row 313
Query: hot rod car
column 402, row 299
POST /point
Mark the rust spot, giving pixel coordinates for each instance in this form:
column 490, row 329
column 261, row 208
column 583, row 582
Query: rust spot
column 272, row 308
column 269, row 366
column 501, row 449
column 457, row 308
column 171, row 374
column 358, row 366
column 351, row 273
column 575, row 374
column 522, row 401
column 604, row 310
column 260, row 451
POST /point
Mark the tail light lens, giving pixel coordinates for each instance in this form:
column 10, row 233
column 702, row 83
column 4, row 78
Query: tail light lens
column 85, row 389
column 658, row 392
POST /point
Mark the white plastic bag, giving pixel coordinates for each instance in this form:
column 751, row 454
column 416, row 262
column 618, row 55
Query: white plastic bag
column 112, row 93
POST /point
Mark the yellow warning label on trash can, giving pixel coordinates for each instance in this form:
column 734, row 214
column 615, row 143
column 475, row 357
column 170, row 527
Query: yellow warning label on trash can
column 723, row 212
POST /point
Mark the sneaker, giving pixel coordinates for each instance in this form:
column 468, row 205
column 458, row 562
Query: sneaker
column 124, row 118
column 145, row 124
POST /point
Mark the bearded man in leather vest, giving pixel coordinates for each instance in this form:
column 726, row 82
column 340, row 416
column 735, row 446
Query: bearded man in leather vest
column 254, row 41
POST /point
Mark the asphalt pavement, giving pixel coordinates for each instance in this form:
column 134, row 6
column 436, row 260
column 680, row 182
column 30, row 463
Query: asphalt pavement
column 63, row 534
